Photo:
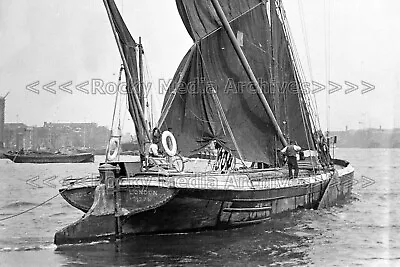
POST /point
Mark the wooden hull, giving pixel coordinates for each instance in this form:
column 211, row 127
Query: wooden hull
column 81, row 198
column 52, row 158
column 173, row 209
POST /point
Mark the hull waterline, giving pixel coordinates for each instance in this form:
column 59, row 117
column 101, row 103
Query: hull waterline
column 171, row 206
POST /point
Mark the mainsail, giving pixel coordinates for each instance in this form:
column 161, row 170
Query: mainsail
column 216, row 78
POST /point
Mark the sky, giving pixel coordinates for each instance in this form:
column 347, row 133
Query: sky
column 59, row 41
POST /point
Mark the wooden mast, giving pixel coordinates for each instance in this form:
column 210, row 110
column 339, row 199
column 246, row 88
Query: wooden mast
column 141, row 89
column 248, row 69
column 135, row 95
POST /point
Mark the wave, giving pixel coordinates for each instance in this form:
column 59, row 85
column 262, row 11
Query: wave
column 19, row 204
column 68, row 246
column 29, row 248
column 58, row 214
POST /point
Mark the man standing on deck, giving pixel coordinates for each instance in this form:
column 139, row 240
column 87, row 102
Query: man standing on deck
column 291, row 152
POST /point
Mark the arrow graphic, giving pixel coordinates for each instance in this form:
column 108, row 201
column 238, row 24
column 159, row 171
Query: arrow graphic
column 64, row 87
column 80, row 87
column 352, row 87
column 31, row 87
column 336, row 87
column 48, row 88
column 366, row 181
column 369, row 88
column 32, row 181
column 49, row 180
column 320, row 87
column 67, row 181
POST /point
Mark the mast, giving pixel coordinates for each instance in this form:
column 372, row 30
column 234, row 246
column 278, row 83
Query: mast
column 273, row 74
column 141, row 90
column 136, row 97
column 274, row 64
column 247, row 68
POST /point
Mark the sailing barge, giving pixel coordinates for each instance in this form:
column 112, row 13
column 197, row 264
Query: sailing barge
column 218, row 96
column 43, row 157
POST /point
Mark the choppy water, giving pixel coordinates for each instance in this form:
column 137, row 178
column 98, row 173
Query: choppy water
column 364, row 231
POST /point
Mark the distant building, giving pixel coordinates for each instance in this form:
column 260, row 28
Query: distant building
column 55, row 136
column 14, row 135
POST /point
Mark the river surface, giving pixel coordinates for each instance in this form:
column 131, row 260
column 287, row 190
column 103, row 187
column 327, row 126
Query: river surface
column 364, row 231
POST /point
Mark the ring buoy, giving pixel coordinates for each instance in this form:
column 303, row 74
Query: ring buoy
column 171, row 151
column 114, row 141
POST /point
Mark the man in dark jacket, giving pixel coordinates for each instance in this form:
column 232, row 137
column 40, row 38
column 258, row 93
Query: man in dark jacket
column 291, row 152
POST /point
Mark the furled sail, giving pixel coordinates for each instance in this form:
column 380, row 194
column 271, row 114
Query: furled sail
column 215, row 92
column 129, row 49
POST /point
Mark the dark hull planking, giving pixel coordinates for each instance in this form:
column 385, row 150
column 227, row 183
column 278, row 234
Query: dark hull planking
column 160, row 210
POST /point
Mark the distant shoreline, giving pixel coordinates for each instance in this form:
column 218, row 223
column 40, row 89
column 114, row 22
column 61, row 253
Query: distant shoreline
column 368, row 138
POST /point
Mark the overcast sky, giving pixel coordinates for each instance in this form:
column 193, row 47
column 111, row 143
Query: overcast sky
column 62, row 41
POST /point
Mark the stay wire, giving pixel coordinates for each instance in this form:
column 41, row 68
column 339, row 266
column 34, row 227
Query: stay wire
column 327, row 59
column 307, row 48
column 296, row 71
column 300, row 70
column 221, row 112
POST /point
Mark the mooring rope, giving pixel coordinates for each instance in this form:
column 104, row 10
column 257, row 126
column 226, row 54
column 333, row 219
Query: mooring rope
column 41, row 204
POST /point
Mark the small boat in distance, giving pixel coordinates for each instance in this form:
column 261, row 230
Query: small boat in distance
column 48, row 157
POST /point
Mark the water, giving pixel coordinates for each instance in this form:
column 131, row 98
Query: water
column 364, row 231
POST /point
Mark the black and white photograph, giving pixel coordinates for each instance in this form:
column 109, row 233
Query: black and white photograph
column 199, row 133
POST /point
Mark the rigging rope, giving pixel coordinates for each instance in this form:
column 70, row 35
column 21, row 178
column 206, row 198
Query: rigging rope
column 149, row 78
column 309, row 63
column 296, row 71
column 44, row 202
column 300, row 71
column 294, row 55
column 116, row 100
column 327, row 60
column 221, row 110
column 123, row 103
column 113, row 122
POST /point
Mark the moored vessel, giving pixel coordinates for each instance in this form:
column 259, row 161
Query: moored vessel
column 238, row 88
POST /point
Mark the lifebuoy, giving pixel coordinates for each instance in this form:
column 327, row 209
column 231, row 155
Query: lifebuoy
column 171, row 151
column 114, row 141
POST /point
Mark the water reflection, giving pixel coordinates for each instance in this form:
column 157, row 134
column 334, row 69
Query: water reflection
column 282, row 241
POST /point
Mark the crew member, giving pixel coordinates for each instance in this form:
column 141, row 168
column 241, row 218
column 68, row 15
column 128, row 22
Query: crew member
column 153, row 149
column 291, row 153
